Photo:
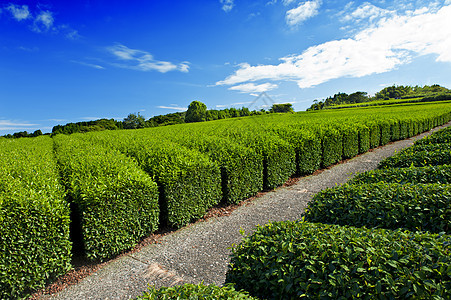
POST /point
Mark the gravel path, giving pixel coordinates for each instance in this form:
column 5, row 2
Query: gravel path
column 200, row 252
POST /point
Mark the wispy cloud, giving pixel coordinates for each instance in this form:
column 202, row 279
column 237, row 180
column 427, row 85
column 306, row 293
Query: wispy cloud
column 302, row 13
column 227, row 5
column 16, row 125
column 254, row 88
column 177, row 108
column 95, row 66
column 143, row 60
column 19, row 12
column 382, row 47
column 43, row 21
column 40, row 21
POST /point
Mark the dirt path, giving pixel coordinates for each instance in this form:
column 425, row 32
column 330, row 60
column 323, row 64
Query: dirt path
column 200, row 252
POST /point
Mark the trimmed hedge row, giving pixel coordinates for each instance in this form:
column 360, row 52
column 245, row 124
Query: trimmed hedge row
column 429, row 174
column 287, row 260
column 386, row 205
column 241, row 167
column 307, row 146
column 34, row 217
column 189, row 182
column 115, row 201
column 192, row 291
column 332, row 146
column 407, row 159
column 279, row 157
column 441, row 136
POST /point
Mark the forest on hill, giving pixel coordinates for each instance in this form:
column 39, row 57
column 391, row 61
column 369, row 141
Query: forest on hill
column 434, row 92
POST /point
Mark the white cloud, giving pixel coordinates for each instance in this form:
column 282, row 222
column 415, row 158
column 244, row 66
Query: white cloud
column 288, row 2
column 303, row 12
column 380, row 48
column 88, row 64
column 19, row 12
column 16, row 125
column 253, row 88
column 144, row 61
column 177, row 108
column 227, row 5
column 367, row 11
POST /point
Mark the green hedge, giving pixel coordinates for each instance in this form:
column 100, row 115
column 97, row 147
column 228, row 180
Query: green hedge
column 350, row 140
column 407, row 159
column 192, row 291
column 394, row 130
column 307, row 145
column 117, row 202
column 279, row 157
column 289, row 260
column 241, row 167
column 375, row 134
column 441, row 136
column 189, row 182
column 385, row 132
column 364, row 138
column 34, row 217
column 332, row 146
column 429, row 174
column 386, row 205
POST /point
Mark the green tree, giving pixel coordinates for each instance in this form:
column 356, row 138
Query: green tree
column 282, row 108
column 197, row 112
column 134, row 121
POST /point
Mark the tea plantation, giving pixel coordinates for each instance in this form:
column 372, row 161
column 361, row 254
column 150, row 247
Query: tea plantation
column 104, row 191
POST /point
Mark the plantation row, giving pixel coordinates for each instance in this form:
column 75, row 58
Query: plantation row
column 384, row 235
column 119, row 186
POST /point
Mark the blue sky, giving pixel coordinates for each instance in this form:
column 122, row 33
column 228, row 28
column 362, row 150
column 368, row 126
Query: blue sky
column 69, row 61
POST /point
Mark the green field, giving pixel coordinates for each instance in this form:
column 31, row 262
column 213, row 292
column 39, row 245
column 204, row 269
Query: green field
column 119, row 186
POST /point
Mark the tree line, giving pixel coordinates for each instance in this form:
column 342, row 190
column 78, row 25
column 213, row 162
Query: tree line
column 197, row 112
column 390, row 92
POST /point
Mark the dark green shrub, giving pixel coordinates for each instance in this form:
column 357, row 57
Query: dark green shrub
column 307, row 146
column 404, row 129
column 34, row 218
column 332, row 145
column 441, row 136
column 364, row 138
column 279, row 157
column 350, row 140
column 386, row 205
column 289, row 260
column 189, row 182
column 241, row 167
column 385, row 132
column 394, row 130
column 375, row 135
column 417, row 159
column 116, row 200
column 198, row 291
column 429, row 174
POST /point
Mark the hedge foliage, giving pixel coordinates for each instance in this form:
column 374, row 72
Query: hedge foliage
column 307, row 146
column 117, row 202
column 429, row 174
column 386, row 205
column 441, row 136
column 241, row 167
column 288, row 260
column 194, row 292
column 332, row 146
column 34, row 217
column 189, row 182
column 407, row 159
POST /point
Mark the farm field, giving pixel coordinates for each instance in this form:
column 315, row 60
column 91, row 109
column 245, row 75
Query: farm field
column 119, row 186
column 384, row 234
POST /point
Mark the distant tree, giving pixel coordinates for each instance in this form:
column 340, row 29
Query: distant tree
column 282, row 108
column 134, row 121
column 197, row 112
column 36, row 133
